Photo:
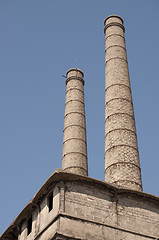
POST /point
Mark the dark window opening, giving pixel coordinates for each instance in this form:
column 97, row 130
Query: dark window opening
column 29, row 225
column 50, row 201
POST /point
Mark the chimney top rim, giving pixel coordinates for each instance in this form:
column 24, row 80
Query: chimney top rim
column 75, row 69
column 117, row 16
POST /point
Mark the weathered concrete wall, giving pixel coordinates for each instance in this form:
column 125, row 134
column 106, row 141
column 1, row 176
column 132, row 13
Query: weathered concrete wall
column 139, row 214
column 100, row 213
column 86, row 208
column 122, row 166
column 74, row 140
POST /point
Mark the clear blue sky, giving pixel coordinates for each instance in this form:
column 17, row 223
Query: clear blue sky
column 39, row 41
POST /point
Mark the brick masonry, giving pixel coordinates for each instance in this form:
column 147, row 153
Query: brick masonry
column 89, row 209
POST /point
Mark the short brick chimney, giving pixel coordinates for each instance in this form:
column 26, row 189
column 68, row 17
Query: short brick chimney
column 74, row 158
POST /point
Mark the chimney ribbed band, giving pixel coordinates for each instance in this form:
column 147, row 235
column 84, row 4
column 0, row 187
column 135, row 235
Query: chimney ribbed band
column 74, row 78
column 114, row 24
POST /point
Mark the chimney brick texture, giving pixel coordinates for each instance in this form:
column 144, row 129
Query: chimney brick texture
column 74, row 158
column 122, row 166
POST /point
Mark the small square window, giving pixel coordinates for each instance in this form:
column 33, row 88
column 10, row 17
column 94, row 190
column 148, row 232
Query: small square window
column 50, row 201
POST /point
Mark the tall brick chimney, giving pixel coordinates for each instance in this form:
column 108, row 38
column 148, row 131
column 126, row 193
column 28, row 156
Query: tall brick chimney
column 74, row 158
column 122, row 165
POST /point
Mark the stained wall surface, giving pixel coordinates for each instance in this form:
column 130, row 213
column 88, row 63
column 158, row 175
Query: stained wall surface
column 105, row 214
